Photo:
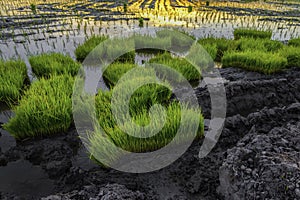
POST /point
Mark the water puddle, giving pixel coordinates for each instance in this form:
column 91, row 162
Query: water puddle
column 25, row 180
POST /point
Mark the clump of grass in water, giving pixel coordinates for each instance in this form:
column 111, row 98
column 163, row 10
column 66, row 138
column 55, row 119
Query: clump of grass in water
column 180, row 41
column 216, row 47
column 112, row 50
column 266, row 45
column 186, row 69
column 292, row 54
column 294, row 42
column 141, row 22
column 13, row 75
column 45, row 109
column 144, row 98
column 83, row 50
column 45, row 65
column 251, row 33
column 259, row 61
column 157, row 43
column 115, row 71
column 33, row 8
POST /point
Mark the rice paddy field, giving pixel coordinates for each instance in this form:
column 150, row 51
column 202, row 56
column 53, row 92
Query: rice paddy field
column 254, row 46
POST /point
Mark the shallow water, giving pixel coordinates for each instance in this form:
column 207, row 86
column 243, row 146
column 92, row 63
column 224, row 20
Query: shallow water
column 24, row 179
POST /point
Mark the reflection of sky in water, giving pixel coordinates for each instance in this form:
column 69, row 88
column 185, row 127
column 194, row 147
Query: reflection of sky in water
column 67, row 33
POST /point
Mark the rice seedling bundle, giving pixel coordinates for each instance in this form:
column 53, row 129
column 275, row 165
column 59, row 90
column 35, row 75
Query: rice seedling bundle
column 141, row 117
column 267, row 45
column 110, row 52
column 45, row 65
column 294, row 42
column 222, row 45
column 292, row 54
column 255, row 61
column 45, row 109
column 153, row 43
column 180, row 41
column 83, row 50
column 13, row 75
column 115, row 71
column 186, row 69
column 251, row 33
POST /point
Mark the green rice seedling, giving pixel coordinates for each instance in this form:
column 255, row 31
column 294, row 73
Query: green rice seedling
column 13, row 75
column 115, row 71
column 117, row 47
column 251, row 33
column 258, row 61
column 180, row 41
column 186, row 69
column 141, row 117
column 266, row 45
column 190, row 9
column 155, row 44
column 292, row 54
column 83, row 50
column 141, row 22
column 294, row 42
column 221, row 44
column 45, row 109
column 110, row 52
column 45, row 65
column 33, row 8
column 125, row 7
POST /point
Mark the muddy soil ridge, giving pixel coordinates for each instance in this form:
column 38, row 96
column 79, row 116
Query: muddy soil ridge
column 257, row 155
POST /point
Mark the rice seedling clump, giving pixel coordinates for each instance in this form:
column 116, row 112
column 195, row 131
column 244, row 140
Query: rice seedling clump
column 294, row 42
column 216, row 47
column 13, row 75
column 152, row 43
column 180, row 41
column 83, row 50
column 110, row 51
column 45, row 109
column 251, row 33
column 292, row 54
column 140, row 116
column 266, row 45
column 258, row 61
column 115, row 71
column 186, row 69
column 45, row 65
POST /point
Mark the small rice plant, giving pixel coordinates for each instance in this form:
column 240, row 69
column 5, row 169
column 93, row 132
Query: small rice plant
column 45, row 109
column 186, row 69
column 125, row 7
column 83, row 50
column 222, row 45
column 251, row 33
column 190, row 9
column 45, row 65
column 292, row 54
column 294, row 42
column 266, row 45
column 141, row 22
column 115, row 71
column 259, row 61
column 13, row 75
column 33, row 8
